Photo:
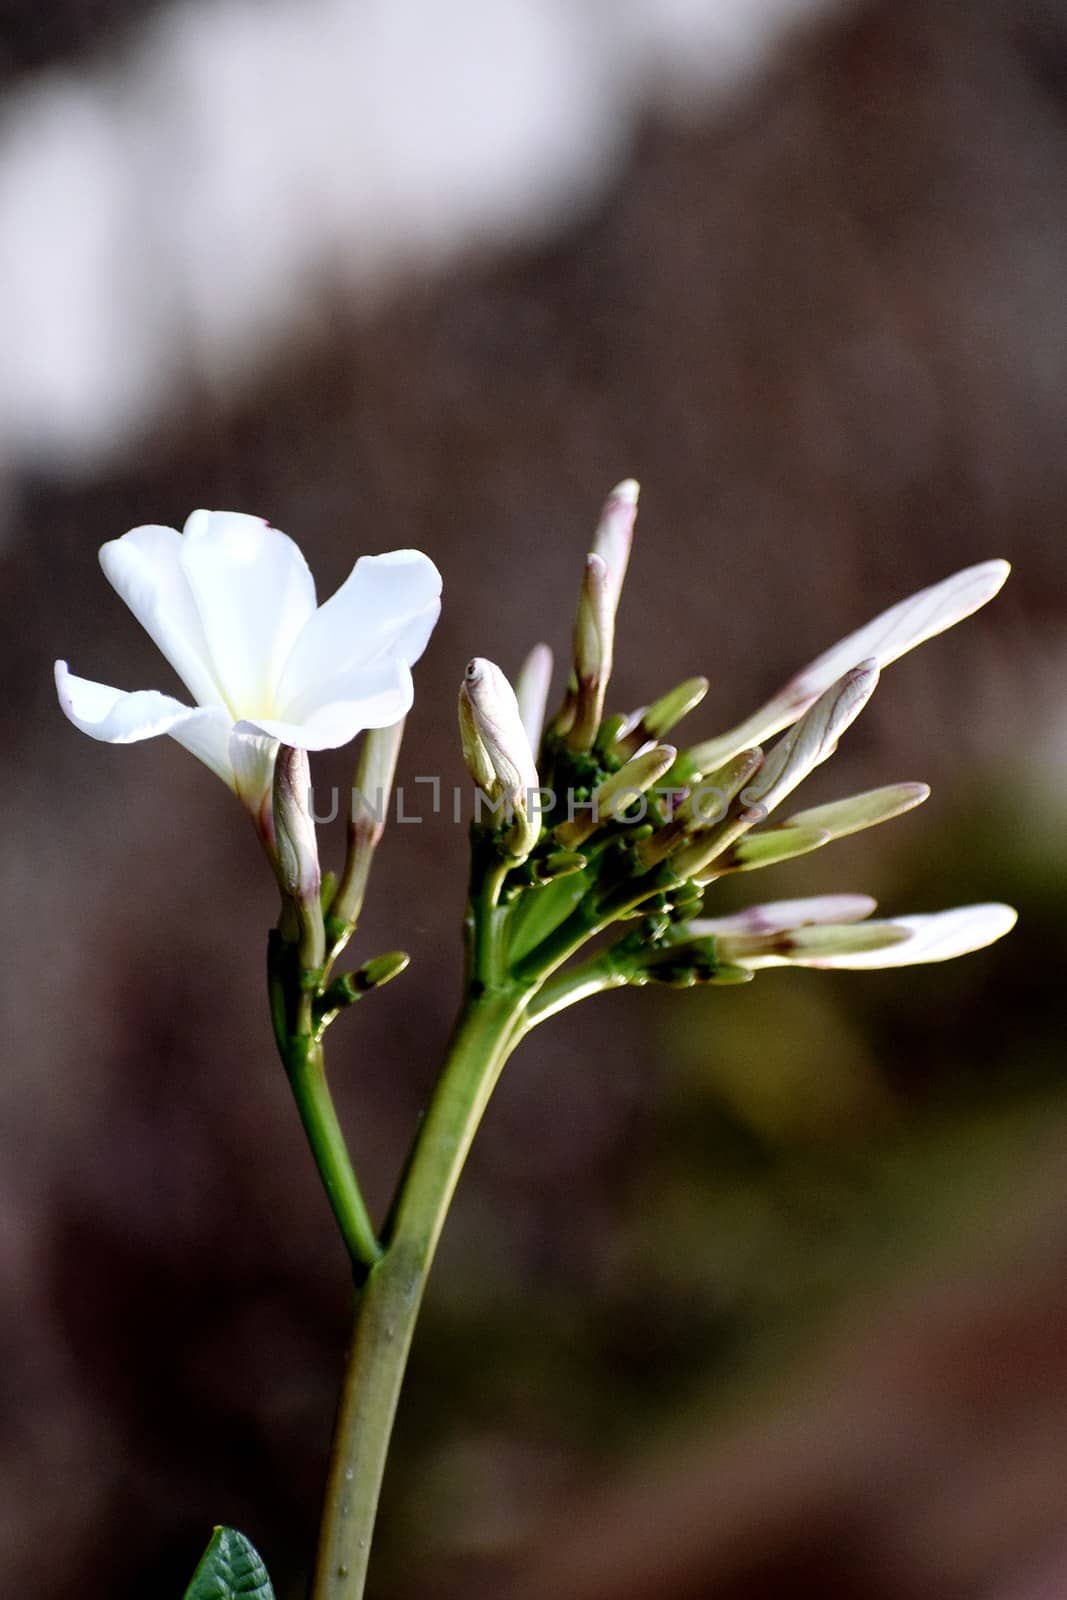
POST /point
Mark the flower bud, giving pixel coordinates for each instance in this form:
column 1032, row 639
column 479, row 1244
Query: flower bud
column 594, row 634
column 861, row 811
column 296, row 848
column 615, row 793
column 296, row 857
column 373, row 974
column 666, row 712
column 936, row 936
column 701, row 857
column 781, row 916
column 771, row 846
column 615, row 532
column 561, row 864
column 531, row 691
column 497, row 750
column 371, row 793
column 707, row 819
column 814, row 738
column 350, row 987
column 888, row 637
column 594, row 643
column 812, row 945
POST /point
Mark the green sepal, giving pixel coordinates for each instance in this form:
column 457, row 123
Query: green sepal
column 327, row 891
column 230, row 1569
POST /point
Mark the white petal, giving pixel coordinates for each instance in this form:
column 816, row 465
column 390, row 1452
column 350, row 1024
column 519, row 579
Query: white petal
column 940, row 936
column 119, row 717
column 254, row 594
column 251, row 755
column 382, row 694
column 385, row 609
column 778, row 916
column 144, row 567
column 206, row 735
column 892, row 634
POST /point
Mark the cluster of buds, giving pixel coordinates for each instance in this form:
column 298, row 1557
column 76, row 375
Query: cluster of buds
column 605, row 821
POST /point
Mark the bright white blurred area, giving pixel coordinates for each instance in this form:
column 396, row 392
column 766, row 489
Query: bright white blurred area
column 172, row 215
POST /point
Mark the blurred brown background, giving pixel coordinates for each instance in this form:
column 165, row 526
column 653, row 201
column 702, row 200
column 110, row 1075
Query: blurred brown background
column 747, row 1293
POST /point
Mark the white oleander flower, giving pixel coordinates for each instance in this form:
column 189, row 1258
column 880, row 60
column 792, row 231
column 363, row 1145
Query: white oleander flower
column 231, row 604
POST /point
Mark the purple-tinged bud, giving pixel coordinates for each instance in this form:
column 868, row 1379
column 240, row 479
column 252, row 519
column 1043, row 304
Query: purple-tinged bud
column 615, row 533
column 296, row 848
column 296, row 854
column 594, row 644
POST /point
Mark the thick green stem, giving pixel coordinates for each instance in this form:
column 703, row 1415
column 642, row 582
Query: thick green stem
column 389, row 1304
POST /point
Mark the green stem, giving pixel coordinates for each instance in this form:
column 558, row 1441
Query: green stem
column 591, row 917
column 592, row 977
column 389, row 1304
column 307, row 1075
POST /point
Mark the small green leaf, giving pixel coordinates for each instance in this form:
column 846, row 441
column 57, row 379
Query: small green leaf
column 230, row 1569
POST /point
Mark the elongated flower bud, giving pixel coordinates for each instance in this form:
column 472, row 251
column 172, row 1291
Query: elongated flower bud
column 885, row 639
column 813, row 945
column 666, row 712
column 706, row 818
column 531, row 691
column 371, row 793
column 779, row 916
column 497, row 750
column 811, row 829
column 700, row 858
column 937, row 936
column 770, row 846
column 594, row 634
column 615, row 532
column 859, row 811
column 594, row 643
column 814, row 738
column 296, row 855
column 296, row 848
column 616, row 793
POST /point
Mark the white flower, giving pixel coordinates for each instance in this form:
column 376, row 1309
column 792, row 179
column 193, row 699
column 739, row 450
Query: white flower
column 231, row 604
